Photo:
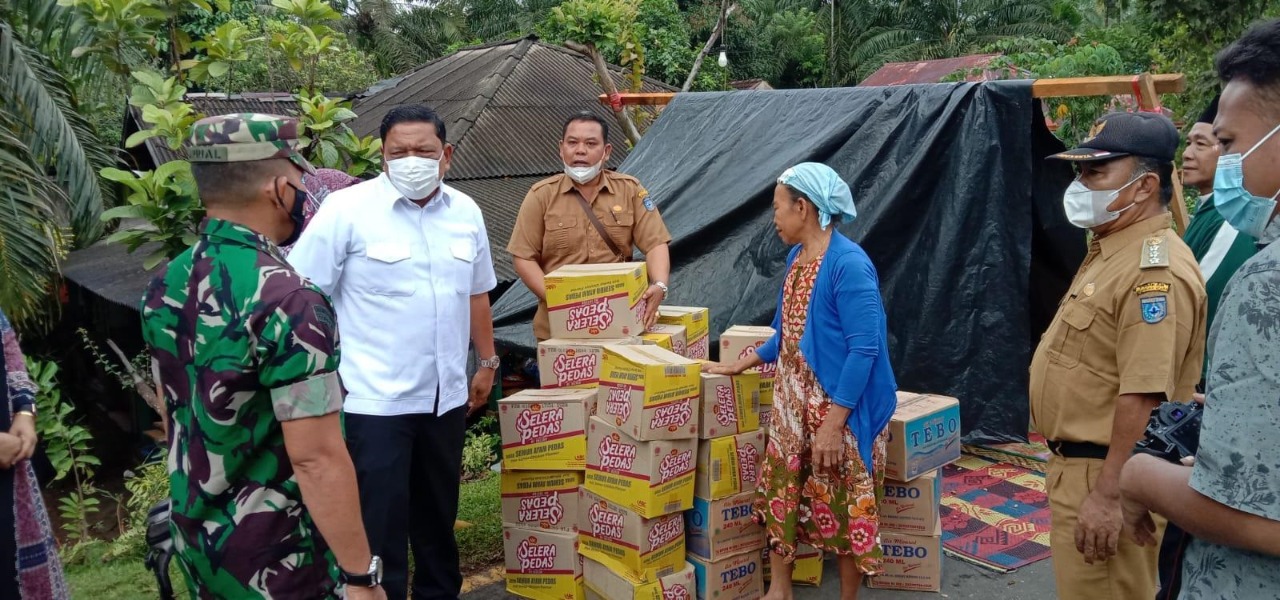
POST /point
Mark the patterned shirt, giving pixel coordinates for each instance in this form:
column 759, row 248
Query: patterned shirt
column 240, row 343
column 1238, row 463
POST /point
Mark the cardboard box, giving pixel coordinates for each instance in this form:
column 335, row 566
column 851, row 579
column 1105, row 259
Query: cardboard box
column 729, row 405
column 924, row 434
column 597, row 301
column 911, row 506
column 911, row 562
column 638, row 548
column 544, row 429
column 668, row 337
column 717, row 529
column 741, row 341
column 697, row 324
column 649, row 478
column 546, row 500
column 649, row 393
column 729, row 465
column 735, row 578
column 607, row 584
column 766, row 391
column 573, row 363
column 542, row 565
column 807, row 568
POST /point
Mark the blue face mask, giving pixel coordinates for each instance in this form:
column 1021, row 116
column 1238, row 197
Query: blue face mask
column 1248, row 213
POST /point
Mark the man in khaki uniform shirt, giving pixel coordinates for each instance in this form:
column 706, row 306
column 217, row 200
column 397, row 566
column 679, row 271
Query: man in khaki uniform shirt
column 554, row 227
column 1129, row 334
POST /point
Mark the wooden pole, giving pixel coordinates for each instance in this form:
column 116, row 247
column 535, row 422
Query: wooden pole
column 1145, row 91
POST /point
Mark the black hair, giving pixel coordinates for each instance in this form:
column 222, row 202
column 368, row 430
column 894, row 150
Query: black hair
column 1255, row 58
column 587, row 116
column 412, row 113
column 231, row 183
column 1163, row 169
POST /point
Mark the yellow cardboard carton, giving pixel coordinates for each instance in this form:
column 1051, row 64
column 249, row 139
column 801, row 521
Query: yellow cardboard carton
column 640, row 549
column 730, row 405
column 729, row 465
column 668, row 337
column 542, row 565
column 597, row 301
column 541, row 499
column 573, row 363
column 649, row 393
column 544, row 429
column 649, row 478
column 697, row 324
column 740, row 341
column 607, row 583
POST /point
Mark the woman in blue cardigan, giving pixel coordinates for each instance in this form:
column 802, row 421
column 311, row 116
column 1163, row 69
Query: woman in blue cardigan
column 823, row 469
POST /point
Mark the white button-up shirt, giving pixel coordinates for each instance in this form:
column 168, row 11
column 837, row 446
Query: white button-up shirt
column 401, row 278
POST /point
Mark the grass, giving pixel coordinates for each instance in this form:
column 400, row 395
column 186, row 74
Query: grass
column 479, row 546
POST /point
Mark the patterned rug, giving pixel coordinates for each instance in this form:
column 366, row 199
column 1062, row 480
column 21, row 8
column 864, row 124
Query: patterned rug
column 1032, row 454
column 994, row 514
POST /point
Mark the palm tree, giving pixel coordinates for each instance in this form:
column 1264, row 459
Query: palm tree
column 928, row 29
column 49, row 154
column 402, row 39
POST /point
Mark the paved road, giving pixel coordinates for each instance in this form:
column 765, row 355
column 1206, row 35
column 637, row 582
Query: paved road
column 959, row 580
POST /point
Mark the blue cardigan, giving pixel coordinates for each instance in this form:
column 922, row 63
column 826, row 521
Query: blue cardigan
column 845, row 340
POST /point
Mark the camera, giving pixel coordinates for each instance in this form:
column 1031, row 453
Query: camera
column 1173, row 431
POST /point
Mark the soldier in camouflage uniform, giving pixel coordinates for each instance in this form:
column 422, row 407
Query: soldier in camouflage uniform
column 245, row 352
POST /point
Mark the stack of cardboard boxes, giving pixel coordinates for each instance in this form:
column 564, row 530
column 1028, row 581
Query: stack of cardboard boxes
column 924, row 435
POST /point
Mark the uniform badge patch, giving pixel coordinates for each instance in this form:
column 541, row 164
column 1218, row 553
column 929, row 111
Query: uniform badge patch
column 324, row 316
column 1154, row 309
column 1154, row 286
column 648, row 204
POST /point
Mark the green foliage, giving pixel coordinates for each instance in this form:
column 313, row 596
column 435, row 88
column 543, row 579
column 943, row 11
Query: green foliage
column 164, row 107
column 221, row 51
column 481, row 449
column 663, row 34
column 595, row 23
column 166, row 198
column 67, row 444
column 266, row 69
column 480, row 504
column 141, row 363
column 148, row 486
column 328, row 143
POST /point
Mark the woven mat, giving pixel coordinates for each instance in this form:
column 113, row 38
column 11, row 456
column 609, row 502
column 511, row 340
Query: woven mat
column 1032, row 454
column 994, row 514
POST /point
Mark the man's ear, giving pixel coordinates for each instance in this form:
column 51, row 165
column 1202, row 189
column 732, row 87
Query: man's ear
column 608, row 151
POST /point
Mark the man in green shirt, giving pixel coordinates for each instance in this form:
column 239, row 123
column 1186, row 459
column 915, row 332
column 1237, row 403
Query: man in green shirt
column 1218, row 247
column 245, row 353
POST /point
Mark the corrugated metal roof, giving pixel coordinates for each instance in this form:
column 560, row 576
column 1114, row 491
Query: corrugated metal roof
column 499, row 199
column 926, row 71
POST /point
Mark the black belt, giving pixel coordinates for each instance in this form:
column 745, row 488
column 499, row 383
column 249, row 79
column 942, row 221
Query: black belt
column 1078, row 449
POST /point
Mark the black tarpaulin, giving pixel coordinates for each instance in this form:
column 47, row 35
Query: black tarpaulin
column 956, row 208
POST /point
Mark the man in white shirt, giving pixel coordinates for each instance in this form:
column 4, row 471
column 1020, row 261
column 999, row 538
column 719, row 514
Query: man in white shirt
column 406, row 261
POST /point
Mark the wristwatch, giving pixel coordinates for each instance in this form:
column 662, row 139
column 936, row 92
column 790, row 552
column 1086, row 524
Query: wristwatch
column 29, row 409
column 661, row 286
column 491, row 363
column 371, row 579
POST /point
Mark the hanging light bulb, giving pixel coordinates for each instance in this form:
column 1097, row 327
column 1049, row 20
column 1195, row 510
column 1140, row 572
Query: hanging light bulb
column 723, row 61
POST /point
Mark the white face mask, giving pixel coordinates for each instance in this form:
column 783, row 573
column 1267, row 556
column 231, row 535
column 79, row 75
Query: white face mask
column 1087, row 208
column 413, row 176
column 584, row 174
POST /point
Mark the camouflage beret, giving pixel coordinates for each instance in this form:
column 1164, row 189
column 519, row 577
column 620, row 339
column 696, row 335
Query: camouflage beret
column 246, row 137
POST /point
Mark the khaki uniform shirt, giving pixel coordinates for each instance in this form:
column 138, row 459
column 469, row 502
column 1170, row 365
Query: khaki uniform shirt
column 1133, row 322
column 553, row 231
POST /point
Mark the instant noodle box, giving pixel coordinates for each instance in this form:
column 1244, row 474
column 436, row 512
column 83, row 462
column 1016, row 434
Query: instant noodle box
column 640, row 549
column 729, row 465
column 911, row 506
column 718, row 529
column 573, row 363
column 738, row 577
column 545, row 500
column 924, row 434
column 911, row 562
column 544, row 429
column 807, row 568
column 542, row 565
column 730, row 405
column 697, row 325
column 606, row 583
column 597, row 301
column 649, row 393
column 741, row 341
column 649, row 478
column 667, row 337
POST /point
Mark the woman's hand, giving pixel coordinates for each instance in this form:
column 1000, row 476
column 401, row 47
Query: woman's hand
column 722, row 368
column 10, row 450
column 828, row 446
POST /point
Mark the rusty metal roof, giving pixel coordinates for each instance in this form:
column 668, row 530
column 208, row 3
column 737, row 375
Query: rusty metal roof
column 499, row 199
column 927, row 71
column 503, row 105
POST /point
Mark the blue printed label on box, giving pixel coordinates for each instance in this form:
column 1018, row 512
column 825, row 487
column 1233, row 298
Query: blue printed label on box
column 924, row 435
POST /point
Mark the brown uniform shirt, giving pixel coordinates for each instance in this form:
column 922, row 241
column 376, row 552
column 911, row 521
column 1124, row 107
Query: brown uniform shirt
column 553, row 231
column 1133, row 322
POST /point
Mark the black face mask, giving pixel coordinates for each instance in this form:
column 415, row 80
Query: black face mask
column 295, row 213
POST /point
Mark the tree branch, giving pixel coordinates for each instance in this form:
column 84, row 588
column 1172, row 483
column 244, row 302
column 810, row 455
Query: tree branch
column 140, row 384
column 606, row 83
column 725, row 9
